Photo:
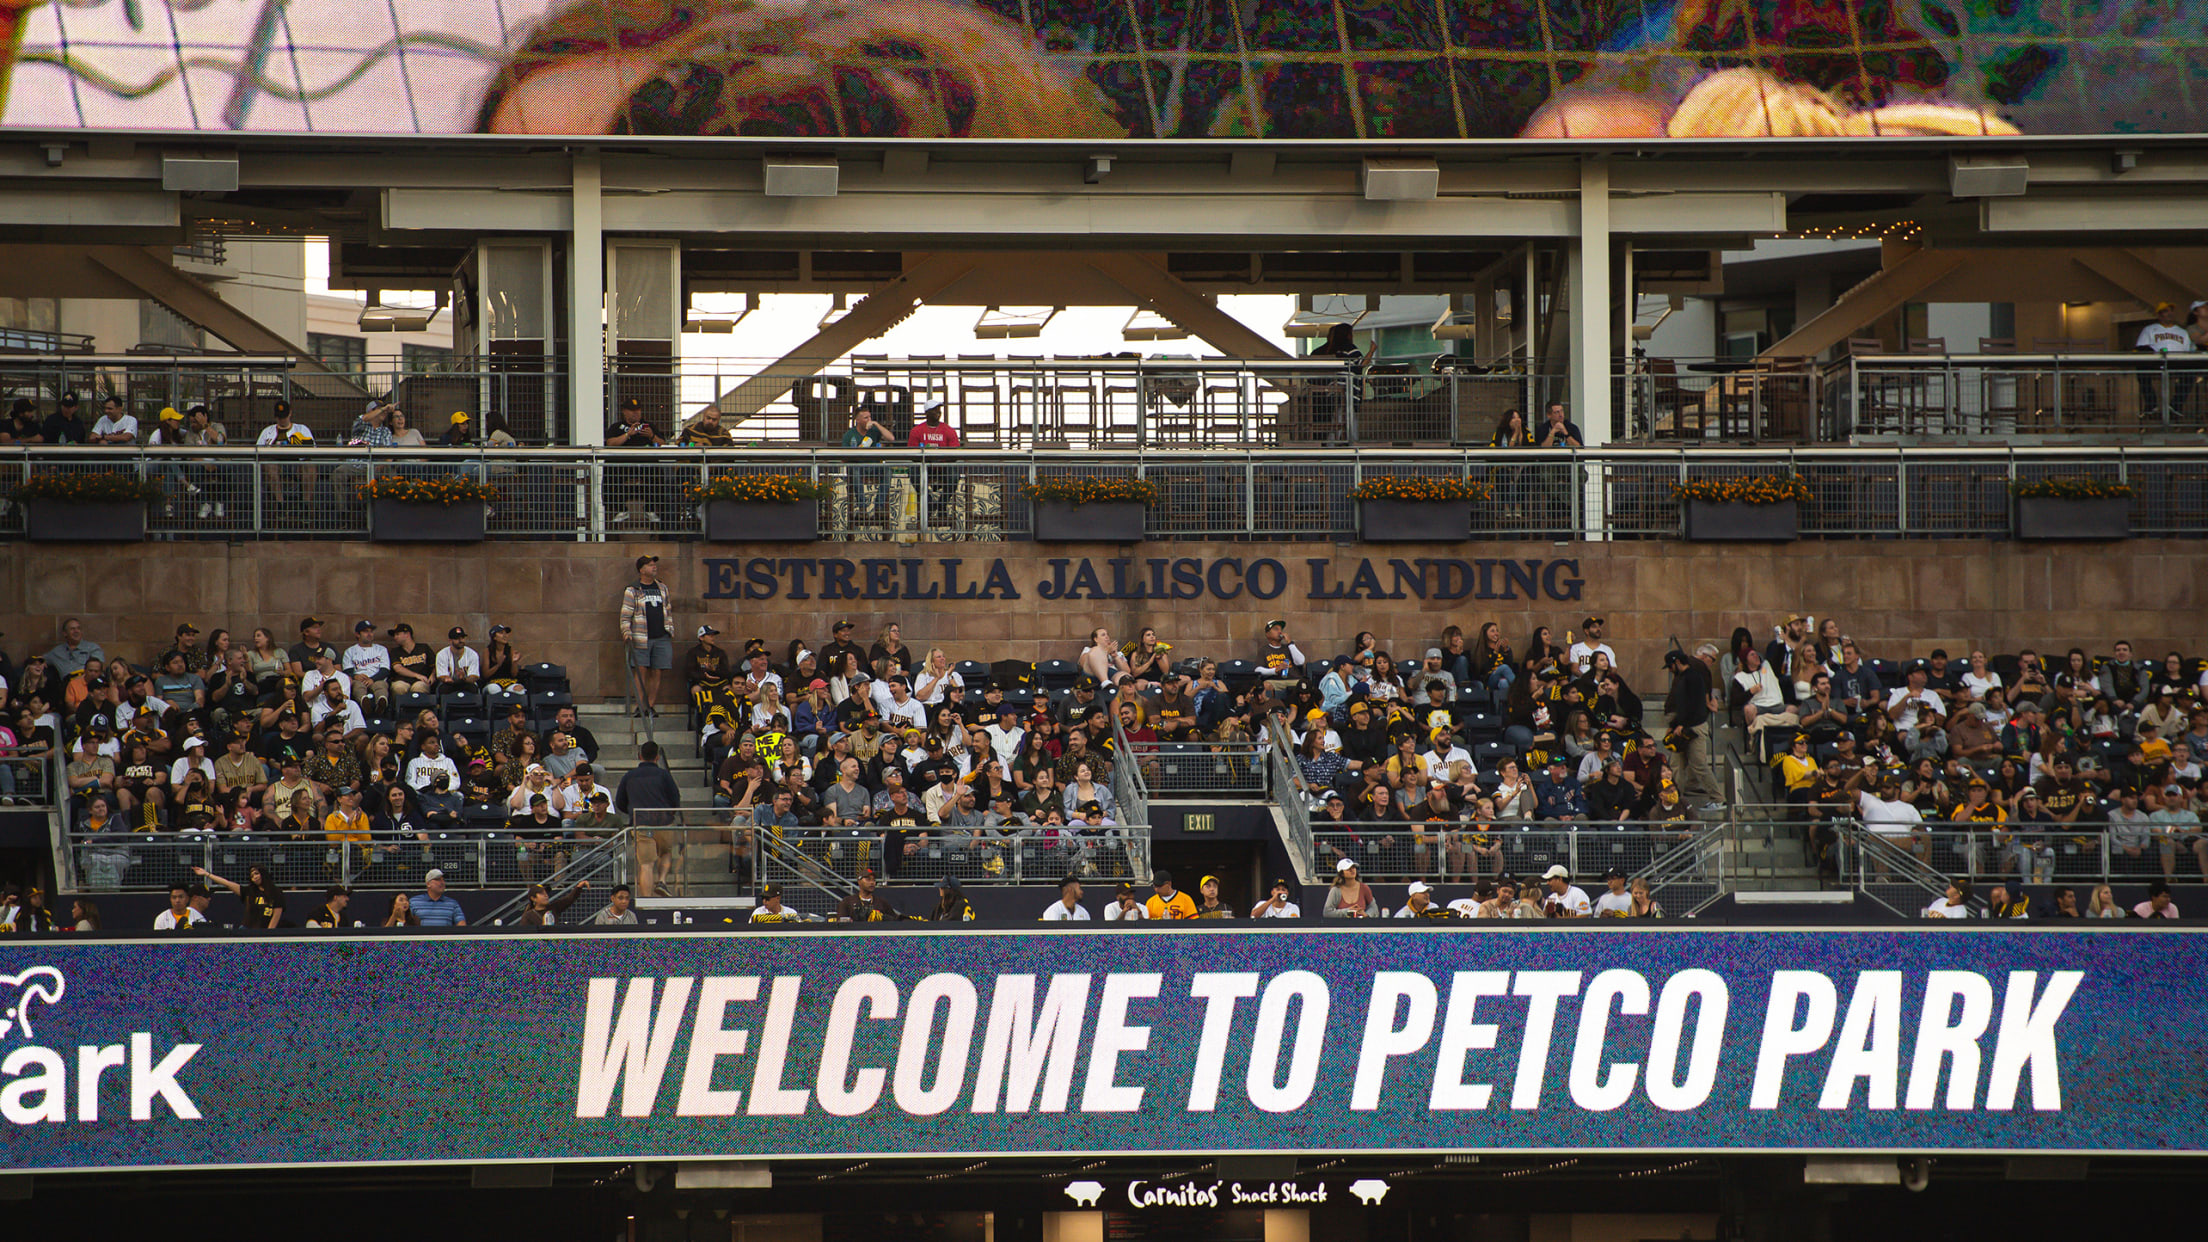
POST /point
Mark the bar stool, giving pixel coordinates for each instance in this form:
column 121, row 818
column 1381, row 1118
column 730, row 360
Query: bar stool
column 974, row 389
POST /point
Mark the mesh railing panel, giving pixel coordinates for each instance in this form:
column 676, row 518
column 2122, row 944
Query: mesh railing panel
column 250, row 493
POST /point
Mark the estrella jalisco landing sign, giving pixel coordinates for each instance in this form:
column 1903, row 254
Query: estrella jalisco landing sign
column 185, row 1052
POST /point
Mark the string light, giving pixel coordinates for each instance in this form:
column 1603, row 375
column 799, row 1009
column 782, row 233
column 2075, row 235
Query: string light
column 1892, row 230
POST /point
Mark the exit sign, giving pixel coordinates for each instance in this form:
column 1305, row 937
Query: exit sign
column 1199, row 823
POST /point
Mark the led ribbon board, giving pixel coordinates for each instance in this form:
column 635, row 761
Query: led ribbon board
column 473, row 1049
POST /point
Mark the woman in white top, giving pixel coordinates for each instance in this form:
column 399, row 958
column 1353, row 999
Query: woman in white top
column 936, row 675
column 1101, row 659
column 1514, row 793
column 1980, row 678
column 403, row 434
column 1954, row 905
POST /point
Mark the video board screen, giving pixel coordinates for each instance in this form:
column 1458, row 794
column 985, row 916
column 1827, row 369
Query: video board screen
column 469, row 1049
column 1287, row 69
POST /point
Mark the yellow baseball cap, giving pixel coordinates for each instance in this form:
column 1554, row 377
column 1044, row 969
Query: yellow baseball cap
column 459, row 416
column 169, row 415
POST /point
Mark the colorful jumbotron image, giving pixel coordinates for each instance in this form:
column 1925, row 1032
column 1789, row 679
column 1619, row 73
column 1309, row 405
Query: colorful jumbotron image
column 1284, row 69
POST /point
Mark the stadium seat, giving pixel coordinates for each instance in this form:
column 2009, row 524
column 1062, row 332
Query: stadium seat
column 412, row 705
column 544, row 676
column 974, row 673
column 382, row 724
column 483, row 816
column 1481, row 726
column 2006, row 666
column 462, row 702
column 545, row 705
column 1487, row 756
column 1238, row 674
column 1055, row 675
column 1012, row 675
column 497, row 702
column 1474, row 695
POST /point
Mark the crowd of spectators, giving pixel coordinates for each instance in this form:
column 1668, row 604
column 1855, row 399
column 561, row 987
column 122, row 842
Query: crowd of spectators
column 1442, row 759
column 1987, row 765
column 373, row 754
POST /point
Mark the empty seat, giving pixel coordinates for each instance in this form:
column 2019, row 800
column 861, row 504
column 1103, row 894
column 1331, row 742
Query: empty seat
column 974, row 673
column 414, row 704
column 1012, row 675
column 1482, row 726
column 1057, row 675
column 1238, row 673
column 471, row 726
column 1487, row 756
column 544, row 676
column 497, row 702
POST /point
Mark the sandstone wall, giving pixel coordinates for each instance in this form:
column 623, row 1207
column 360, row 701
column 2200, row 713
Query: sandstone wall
column 1897, row 598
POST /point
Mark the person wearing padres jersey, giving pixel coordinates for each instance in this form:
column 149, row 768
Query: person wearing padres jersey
column 2068, row 798
column 1981, row 812
column 1165, row 901
column 1279, row 657
column 771, row 909
column 1211, row 907
column 2164, row 336
column 1173, row 716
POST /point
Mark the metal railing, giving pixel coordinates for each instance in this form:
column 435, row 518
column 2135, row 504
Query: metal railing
column 817, row 867
column 1170, row 770
column 594, row 870
column 247, row 493
column 470, row 858
column 2016, row 394
column 30, row 780
column 1886, row 871
column 1130, row 785
column 2039, row 853
column 1459, row 851
column 1912, row 394
column 1294, row 811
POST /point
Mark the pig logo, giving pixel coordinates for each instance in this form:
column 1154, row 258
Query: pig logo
column 1370, row 1191
column 1085, row 1194
column 43, row 984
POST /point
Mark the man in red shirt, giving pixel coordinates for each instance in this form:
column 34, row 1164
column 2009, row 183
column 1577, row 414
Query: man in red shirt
column 931, row 432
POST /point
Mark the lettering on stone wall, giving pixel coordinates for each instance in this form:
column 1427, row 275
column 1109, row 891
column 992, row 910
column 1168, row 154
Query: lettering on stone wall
column 1141, row 578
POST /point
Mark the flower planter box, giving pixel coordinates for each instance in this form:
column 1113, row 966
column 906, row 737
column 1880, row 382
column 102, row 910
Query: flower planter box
column 1111, row 521
column 1414, row 521
column 99, row 521
column 761, row 521
column 400, row 521
column 2058, row 517
column 1711, row 522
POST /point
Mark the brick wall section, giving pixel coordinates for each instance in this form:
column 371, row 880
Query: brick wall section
column 1896, row 598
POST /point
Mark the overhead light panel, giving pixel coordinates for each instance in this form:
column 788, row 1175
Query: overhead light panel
column 1148, row 325
column 1005, row 323
column 191, row 174
column 801, row 176
column 377, row 317
column 1316, row 314
column 697, row 319
column 1396, row 180
column 1987, row 176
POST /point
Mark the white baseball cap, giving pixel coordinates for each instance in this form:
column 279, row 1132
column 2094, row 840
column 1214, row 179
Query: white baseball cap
column 1417, row 887
column 1558, row 872
column 435, row 873
column 1345, row 864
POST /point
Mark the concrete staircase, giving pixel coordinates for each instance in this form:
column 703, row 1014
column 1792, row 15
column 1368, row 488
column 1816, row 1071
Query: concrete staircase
column 704, row 864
